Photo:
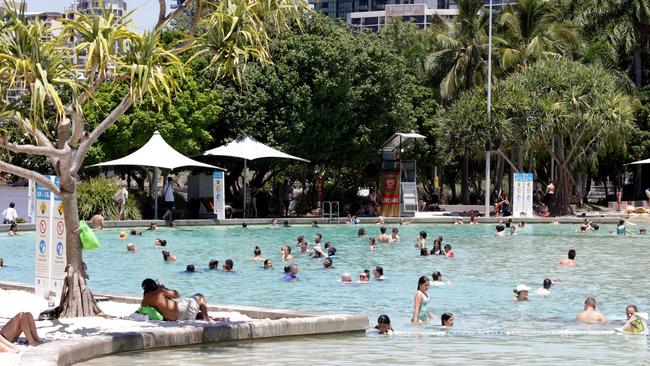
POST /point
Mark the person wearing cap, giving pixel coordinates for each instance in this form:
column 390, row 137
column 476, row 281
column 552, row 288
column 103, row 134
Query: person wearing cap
column 522, row 293
column 383, row 325
column 157, row 296
column 546, row 289
column 590, row 314
column 131, row 248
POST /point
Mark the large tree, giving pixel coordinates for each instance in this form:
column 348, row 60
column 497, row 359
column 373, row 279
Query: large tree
column 585, row 109
column 50, row 95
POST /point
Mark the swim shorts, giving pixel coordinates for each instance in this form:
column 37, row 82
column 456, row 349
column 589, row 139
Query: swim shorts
column 188, row 308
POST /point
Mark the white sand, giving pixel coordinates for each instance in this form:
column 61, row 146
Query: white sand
column 14, row 302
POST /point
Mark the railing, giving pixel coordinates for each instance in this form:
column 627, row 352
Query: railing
column 329, row 213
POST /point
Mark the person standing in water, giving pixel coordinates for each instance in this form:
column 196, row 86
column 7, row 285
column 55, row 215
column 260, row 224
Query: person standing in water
column 421, row 302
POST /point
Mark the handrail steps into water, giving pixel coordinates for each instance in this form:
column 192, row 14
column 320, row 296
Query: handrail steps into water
column 329, row 213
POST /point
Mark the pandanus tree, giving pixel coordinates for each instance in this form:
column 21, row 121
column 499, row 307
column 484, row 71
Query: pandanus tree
column 47, row 93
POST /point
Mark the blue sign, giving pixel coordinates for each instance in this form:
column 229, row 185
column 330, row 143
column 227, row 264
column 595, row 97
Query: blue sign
column 41, row 246
column 42, row 193
column 59, row 249
column 218, row 175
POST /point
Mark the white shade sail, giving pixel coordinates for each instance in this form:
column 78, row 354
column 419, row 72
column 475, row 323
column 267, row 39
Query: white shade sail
column 157, row 153
column 250, row 149
column 645, row 161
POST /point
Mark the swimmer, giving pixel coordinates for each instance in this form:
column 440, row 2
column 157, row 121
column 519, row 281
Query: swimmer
column 213, row 264
column 136, row 232
column 513, row 231
column 381, row 220
column 394, row 238
column 448, row 252
column 421, row 302
column 153, row 226
column 590, row 314
column 642, row 231
column 437, row 247
column 620, row 229
column 570, row 261
column 373, row 244
column 421, row 241
column 190, row 268
column 168, row 257
column 285, row 251
column 424, row 252
column 383, row 325
column 363, row 278
column 228, row 266
column 160, row 242
column 318, row 251
column 361, row 232
column 327, row 263
column 383, row 237
column 447, row 320
column 257, row 254
column 274, row 222
column 131, row 248
column 268, row 264
column 522, row 225
column 292, row 274
column 379, row 273
column 458, row 221
column 403, row 222
column 331, row 251
column 314, row 223
column 635, row 324
column 285, row 223
column 546, row 287
column 522, row 293
column 346, row 278
column 500, row 230
column 473, row 221
column 630, row 310
column 244, row 225
column 437, row 279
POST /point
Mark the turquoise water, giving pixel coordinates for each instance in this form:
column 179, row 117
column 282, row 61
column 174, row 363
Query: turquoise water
column 489, row 327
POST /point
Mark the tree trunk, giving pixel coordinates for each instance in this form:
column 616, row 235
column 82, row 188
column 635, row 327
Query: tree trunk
column 560, row 204
column 464, row 182
column 498, row 175
column 76, row 299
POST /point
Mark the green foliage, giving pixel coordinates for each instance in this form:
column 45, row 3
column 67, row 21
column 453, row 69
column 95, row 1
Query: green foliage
column 97, row 194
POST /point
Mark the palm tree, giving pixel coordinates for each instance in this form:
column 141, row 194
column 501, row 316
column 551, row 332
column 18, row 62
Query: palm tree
column 532, row 31
column 626, row 23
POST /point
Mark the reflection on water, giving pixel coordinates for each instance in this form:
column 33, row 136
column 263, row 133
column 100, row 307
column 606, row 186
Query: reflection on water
column 483, row 274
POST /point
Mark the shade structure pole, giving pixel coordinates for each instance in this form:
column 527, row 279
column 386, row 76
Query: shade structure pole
column 154, row 192
column 245, row 189
column 489, row 117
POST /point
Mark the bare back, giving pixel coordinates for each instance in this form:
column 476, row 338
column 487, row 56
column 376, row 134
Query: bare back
column 591, row 316
column 161, row 300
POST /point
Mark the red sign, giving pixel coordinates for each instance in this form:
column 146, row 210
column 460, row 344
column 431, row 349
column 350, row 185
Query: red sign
column 390, row 193
column 42, row 226
column 60, row 228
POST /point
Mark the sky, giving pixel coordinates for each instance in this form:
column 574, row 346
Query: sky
column 144, row 17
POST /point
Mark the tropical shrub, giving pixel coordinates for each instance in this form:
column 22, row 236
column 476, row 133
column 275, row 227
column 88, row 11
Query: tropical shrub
column 97, row 193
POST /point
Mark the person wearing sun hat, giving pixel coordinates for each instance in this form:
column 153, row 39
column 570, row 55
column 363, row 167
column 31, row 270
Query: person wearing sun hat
column 522, row 293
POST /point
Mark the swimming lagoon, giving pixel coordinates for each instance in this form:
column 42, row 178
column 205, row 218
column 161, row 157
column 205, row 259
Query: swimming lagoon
column 489, row 328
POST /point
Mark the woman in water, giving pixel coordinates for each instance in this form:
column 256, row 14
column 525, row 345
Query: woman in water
column 421, row 241
column 421, row 302
column 257, row 254
column 437, row 247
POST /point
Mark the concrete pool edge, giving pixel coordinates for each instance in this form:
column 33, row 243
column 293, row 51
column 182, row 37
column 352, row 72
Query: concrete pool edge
column 143, row 224
column 269, row 323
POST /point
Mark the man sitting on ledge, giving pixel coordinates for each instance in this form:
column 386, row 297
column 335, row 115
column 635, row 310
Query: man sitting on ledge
column 157, row 296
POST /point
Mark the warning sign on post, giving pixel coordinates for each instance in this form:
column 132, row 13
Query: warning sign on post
column 50, row 242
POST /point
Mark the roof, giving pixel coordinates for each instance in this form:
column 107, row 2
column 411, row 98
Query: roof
column 249, row 148
column 398, row 139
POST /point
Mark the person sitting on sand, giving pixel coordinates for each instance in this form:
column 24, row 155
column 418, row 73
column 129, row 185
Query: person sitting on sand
column 522, row 293
column 590, row 314
column 383, row 325
column 383, row 237
column 570, row 261
column 19, row 324
column 157, row 296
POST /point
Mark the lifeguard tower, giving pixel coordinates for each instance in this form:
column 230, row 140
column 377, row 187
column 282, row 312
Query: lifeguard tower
column 398, row 189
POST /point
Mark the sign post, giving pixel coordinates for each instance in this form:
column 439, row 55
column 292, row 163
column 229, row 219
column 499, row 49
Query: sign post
column 50, row 243
column 522, row 205
column 219, row 194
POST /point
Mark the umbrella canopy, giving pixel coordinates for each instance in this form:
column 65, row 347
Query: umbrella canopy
column 157, row 153
column 645, row 161
column 250, row 149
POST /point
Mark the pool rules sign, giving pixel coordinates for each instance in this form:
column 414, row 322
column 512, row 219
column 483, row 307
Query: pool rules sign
column 50, row 243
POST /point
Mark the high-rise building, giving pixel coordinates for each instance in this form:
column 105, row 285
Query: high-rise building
column 372, row 14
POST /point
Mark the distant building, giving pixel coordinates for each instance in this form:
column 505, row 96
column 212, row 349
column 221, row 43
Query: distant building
column 372, row 14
